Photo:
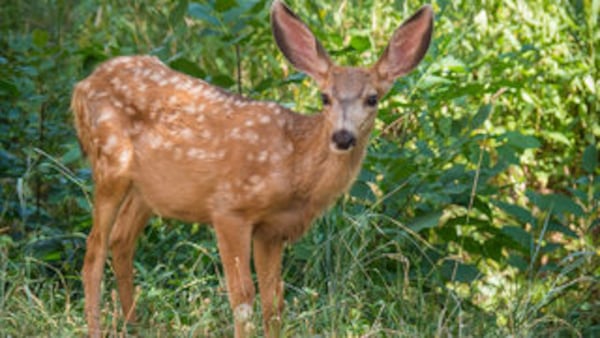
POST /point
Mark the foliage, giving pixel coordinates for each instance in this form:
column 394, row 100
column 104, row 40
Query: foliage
column 476, row 213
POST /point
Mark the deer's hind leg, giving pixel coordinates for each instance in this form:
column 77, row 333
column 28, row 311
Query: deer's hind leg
column 130, row 222
column 111, row 155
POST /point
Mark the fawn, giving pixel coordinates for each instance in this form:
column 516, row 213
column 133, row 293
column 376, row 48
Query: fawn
column 161, row 142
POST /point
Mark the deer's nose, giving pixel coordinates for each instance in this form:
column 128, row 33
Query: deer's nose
column 343, row 139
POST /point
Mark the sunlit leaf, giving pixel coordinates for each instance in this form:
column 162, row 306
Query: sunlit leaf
column 360, row 43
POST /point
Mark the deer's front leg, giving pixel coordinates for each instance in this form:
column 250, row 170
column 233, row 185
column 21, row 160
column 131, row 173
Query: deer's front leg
column 267, row 260
column 234, row 241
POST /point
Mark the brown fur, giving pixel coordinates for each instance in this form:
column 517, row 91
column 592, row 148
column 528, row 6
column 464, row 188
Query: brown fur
column 161, row 142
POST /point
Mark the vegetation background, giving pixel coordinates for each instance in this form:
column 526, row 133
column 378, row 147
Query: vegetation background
column 476, row 213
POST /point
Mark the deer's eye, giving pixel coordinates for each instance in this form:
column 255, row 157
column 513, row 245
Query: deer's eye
column 325, row 99
column 371, row 100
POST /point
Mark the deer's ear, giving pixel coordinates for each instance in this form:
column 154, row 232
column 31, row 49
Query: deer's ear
column 298, row 43
column 407, row 46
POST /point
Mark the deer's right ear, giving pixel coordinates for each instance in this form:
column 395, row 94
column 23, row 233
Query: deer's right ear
column 298, row 43
column 407, row 46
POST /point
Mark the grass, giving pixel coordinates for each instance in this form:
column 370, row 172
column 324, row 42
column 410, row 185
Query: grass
column 338, row 290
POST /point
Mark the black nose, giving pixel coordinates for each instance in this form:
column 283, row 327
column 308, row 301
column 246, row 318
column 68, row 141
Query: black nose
column 343, row 139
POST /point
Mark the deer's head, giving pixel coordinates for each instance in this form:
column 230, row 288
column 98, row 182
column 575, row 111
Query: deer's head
column 350, row 95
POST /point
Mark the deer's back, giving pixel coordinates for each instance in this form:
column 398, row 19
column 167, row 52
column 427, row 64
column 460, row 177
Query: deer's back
column 189, row 148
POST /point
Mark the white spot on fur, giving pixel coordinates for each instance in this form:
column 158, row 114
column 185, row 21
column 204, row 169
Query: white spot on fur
column 129, row 111
column 105, row 115
column 249, row 123
column 154, row 140
column 196, row 90
column 235, row 133
column 262, row 156
column 110, row 144
column 264, row 119
column 85, row 85
column 251, row 137
column 190, row 109
column 196, row 153
column 187, row 133
column 289, row 147
column 124, row 157
column 243, row 313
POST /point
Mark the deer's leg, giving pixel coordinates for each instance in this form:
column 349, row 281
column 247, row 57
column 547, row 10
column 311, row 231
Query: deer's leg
column 267, row 260
column 111, row 158
column 108, row 196
column 234, row 241
column 130, row 222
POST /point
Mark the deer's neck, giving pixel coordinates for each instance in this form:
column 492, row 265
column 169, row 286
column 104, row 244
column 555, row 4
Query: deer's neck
column 322, row 175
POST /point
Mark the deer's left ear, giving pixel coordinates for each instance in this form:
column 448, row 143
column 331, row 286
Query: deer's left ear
column 407, row 46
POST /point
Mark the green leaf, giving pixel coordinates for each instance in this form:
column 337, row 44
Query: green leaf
column 188, row 67
column 39, row 37
column 518, row 262
column 518, row 235
column 590, row 159
column 557, row 137
column 427, row 221
column 492, row 248
column 520, row 141
column 52, row 256
column 459, row 272
column 555, row 203
column 360, row 43
column 521, row 214
column 429, row 81
column 202, row 12
column 450, row 63
column 224, row 81
column 482, row 115
column 72, row 155
column 553, row 226
column 223, row 5
column 8, row 88
column 177, row 14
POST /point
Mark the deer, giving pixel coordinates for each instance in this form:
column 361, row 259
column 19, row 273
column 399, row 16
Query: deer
column 163, row 143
